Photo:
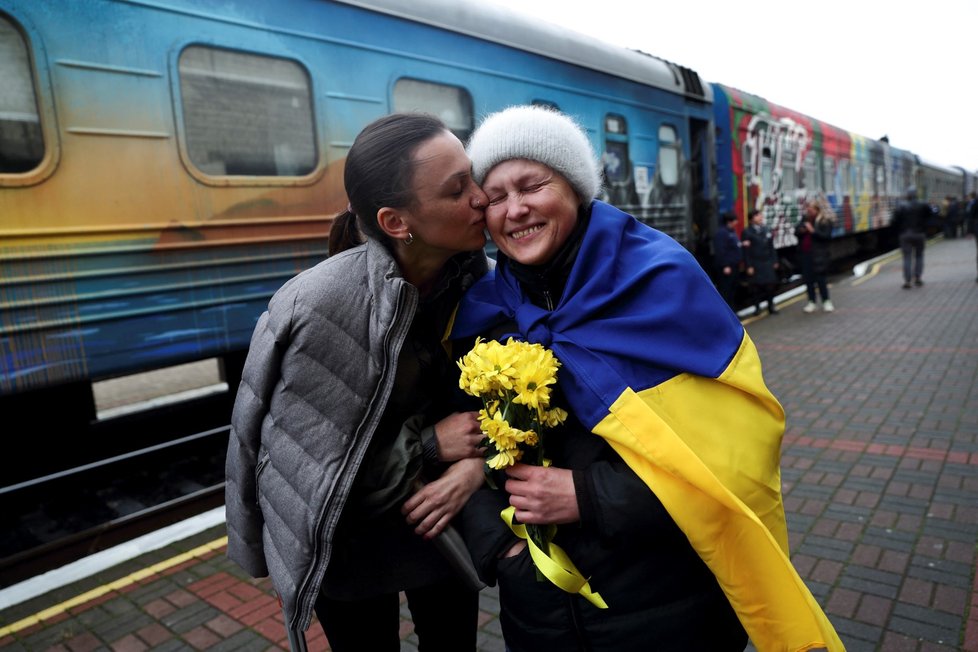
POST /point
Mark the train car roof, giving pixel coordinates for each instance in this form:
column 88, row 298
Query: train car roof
column 942, row 168
column 512, row 29
column 739, row 96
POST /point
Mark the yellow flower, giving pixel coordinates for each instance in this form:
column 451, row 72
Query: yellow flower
column 487, row 369
column 504, row 458
column 552, row 418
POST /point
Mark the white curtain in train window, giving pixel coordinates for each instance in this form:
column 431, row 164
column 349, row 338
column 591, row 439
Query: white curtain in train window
column 452, row 104
column 245, row 114
column 668, row 156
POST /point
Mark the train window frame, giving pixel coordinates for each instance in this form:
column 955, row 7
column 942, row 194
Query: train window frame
column 306, row 177
column 666, row 147
column 39, row 77
column 466, row 106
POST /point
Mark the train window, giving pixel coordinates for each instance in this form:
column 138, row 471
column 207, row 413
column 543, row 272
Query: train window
column 844, row 176
column 21, row 138
column 546, row 103
column 245, row 114
column 452, row 104
column 767, row 182
column 828, row 174
column 668, row 156
column 811, row 171
column 788, row 175
column 615, row 124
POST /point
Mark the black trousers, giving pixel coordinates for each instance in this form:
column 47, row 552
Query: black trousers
column 764, row 292
column 445, row 619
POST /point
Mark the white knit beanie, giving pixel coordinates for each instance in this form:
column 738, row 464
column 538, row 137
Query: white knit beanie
column 538, row 134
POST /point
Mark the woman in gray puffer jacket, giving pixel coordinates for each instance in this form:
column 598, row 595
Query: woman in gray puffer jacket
column 340, row 416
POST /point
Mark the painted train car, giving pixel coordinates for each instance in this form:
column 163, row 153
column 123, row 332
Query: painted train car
column 165, row 165
column 773, row 159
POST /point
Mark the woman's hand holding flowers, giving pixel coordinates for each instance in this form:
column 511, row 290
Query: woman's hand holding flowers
column 542, row 494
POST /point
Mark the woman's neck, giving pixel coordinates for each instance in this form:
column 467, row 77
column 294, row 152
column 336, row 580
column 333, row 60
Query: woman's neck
column 421, row 269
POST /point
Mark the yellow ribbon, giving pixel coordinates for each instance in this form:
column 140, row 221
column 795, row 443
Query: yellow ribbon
column 557, row 566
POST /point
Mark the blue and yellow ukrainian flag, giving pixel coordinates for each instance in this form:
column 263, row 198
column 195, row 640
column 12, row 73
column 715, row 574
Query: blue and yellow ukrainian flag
column 657, row 364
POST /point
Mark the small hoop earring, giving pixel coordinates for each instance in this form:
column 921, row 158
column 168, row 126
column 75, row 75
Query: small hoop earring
column 409, row 239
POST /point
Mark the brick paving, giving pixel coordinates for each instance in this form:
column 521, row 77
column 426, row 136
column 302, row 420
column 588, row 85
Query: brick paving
column 879, row 466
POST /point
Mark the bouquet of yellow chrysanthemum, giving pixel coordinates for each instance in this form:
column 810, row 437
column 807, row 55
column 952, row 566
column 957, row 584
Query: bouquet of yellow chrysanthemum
column 514, row 382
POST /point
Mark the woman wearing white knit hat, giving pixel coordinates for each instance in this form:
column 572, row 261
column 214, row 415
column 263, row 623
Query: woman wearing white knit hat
column 664, row 482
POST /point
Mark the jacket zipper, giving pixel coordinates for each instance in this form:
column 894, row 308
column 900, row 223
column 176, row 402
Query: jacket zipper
column 318, row 570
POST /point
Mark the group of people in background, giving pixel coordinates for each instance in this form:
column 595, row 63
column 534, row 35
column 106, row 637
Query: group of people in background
column 956, row 215
column 971, row 221
column 754, row 253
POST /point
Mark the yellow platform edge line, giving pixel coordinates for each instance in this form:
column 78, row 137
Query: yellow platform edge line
column 116, row 585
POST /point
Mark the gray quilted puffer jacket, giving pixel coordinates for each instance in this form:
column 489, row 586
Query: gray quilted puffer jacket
column 315, row 384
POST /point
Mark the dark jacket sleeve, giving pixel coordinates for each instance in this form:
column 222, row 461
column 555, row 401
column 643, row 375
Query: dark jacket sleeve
column 616, row 503
column 484, row 531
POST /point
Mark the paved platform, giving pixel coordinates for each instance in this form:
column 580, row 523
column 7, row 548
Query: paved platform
column 880, row 471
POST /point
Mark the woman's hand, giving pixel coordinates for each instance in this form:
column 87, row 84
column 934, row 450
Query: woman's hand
column 459, row 437
column 514, row 550
column 542, row 494
column 435, row 504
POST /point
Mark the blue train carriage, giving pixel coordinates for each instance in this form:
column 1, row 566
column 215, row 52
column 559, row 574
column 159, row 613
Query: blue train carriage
column 166, row 165
column 650, row 120
column 773, row 158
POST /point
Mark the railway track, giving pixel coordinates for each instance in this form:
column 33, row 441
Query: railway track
column 114, row 493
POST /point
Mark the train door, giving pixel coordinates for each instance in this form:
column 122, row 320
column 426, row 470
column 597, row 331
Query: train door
column 617, row 165
column 702, row 201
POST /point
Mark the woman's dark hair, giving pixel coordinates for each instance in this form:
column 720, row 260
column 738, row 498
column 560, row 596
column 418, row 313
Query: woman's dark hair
column 379, row 172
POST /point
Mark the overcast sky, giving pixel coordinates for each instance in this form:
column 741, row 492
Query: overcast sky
column 906, row 70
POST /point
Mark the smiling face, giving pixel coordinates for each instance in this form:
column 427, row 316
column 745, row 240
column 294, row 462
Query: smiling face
column 532, row 210
column 447, row 214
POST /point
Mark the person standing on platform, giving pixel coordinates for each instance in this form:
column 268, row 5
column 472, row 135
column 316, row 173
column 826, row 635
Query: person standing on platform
column 727, row 258
column 814, row 234
column 972, row 220
column 910, row 221
column 760, row 261
column 342, row 412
